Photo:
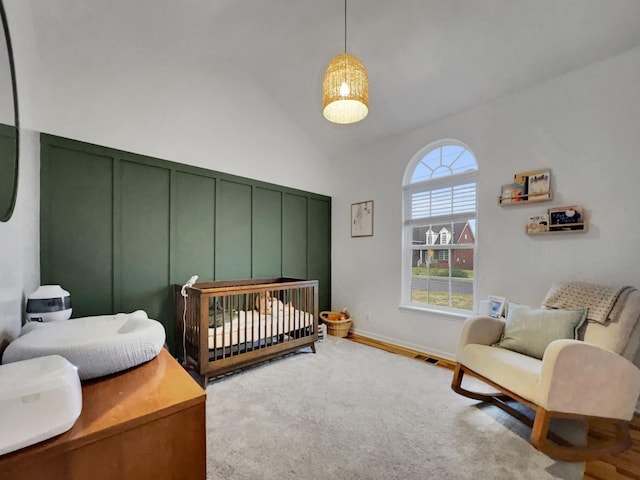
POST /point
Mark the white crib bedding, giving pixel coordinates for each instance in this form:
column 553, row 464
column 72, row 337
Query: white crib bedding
column 252, row 326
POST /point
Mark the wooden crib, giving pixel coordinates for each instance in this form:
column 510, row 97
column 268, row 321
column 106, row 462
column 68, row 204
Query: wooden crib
column 226, row 325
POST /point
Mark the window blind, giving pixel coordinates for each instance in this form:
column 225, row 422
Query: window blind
column 451, row 199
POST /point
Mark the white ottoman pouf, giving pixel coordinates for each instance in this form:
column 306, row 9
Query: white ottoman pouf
column 98, row 345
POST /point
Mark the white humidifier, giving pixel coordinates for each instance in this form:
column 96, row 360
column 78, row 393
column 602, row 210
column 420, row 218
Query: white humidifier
column 49, row 303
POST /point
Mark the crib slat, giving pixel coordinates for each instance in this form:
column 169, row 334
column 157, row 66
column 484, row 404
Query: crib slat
column 219, row 339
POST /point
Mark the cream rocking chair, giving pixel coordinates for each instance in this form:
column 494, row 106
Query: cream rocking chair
column 593, row 376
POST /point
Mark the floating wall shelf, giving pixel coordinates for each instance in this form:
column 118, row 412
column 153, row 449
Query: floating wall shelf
column 555, row 229
column 524, row 200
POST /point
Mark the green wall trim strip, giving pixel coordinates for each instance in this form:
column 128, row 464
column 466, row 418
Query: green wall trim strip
column 117, row 229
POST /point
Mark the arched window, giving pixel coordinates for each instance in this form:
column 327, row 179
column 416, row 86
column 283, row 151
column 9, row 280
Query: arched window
column 439, row 210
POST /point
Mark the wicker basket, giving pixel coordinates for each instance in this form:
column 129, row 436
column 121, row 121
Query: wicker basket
column 337, row 328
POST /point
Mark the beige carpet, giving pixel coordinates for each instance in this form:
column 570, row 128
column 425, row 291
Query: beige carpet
column 355, row 412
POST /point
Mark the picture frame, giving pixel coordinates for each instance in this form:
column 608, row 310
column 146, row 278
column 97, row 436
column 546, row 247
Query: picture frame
column 496, row 305
column 362, row 219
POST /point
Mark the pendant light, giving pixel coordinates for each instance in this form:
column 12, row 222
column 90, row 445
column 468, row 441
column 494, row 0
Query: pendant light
column 345, row 88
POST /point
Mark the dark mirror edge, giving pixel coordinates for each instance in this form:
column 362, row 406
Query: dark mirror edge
column 5, row 25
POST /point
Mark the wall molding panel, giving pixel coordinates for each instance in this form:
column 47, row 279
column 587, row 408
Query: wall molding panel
column 117, row 229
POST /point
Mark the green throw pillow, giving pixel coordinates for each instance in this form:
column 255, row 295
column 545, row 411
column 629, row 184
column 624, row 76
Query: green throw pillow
column 530, row 330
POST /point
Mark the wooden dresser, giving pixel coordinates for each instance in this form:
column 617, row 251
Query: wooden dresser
column 144, row 423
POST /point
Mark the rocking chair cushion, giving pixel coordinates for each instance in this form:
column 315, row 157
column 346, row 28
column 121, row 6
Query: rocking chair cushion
column 516, row 372
column 529, row 330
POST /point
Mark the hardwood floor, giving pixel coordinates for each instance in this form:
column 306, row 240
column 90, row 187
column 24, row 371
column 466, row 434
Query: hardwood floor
column 407, row 352
column 625, row 466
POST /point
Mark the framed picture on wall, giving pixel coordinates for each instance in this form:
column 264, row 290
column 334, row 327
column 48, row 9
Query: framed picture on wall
column 362, row 219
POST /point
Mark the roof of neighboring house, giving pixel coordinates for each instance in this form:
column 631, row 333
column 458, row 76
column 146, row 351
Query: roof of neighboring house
column 420, row 233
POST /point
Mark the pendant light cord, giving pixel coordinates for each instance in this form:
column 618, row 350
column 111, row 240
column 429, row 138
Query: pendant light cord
column 345, row 26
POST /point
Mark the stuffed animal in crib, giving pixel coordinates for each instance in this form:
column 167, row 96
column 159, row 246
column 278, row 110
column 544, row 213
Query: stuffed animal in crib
column 264, row 303
column 276, row 305
column 269, row 305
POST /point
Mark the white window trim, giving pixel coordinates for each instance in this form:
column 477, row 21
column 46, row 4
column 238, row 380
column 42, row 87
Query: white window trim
column 445, row 236
column 407, row 241
column 454, row 314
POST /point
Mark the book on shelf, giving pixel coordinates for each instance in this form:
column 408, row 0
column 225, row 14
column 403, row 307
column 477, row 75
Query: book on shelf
column 538, row 184
column 538, row 223
column 506, row 193
column 568, row 217
column 534, row 185
column 519, row 187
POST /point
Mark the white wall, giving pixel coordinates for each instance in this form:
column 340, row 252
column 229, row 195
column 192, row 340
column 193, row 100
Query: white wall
column 6, row 100
column 20, row 236
column 585, row 126
column 19, row 242
column 208, row 115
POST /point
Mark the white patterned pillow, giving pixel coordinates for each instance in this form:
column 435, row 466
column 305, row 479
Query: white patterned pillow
column 599, row 300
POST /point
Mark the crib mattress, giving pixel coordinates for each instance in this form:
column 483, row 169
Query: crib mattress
column 252, row 327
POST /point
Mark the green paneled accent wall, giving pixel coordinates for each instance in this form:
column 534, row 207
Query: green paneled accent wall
column 295, row 216
column 118, row 229
column 233, row 230
column 266, row 235
column 193, row 234
column 319, row 242
column 143, row 238
column 76, row 211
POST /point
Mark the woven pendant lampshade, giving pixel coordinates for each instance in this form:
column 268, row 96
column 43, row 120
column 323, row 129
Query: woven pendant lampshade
column 345, row 88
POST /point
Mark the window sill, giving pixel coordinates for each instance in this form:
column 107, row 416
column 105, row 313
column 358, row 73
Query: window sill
column 459, row 316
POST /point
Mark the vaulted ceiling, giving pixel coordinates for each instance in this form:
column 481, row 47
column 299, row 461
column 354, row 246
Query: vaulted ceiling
column 426, row 59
